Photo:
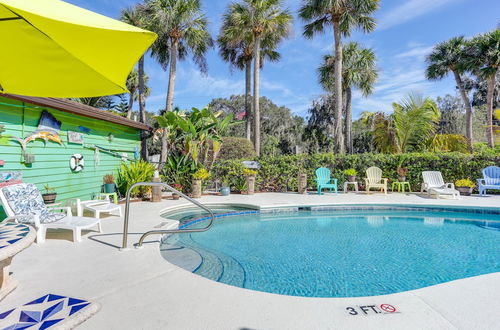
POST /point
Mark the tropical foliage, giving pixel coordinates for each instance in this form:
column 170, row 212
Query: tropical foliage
column 343, row 16
column 135, row 172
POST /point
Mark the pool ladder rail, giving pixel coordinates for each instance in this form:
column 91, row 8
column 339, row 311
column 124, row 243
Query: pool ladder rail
column 161, row 232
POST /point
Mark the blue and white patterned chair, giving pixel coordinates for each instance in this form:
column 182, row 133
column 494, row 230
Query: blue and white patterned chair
column 490, row 180
column 23, row 203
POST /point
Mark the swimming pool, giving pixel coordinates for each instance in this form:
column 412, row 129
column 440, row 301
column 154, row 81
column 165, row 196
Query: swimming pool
column 342, row 251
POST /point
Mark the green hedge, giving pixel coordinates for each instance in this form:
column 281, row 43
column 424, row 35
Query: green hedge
column 280, row 173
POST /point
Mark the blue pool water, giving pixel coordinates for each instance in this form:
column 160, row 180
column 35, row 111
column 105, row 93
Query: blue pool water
column 344, row 253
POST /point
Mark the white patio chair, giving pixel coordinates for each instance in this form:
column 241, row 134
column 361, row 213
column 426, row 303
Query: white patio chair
column 434, row 184
column 374, row 180
column 23, row 203
column 97, row 207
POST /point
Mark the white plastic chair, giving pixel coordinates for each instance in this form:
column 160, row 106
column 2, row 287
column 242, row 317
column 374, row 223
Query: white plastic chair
column 23, row 203
column 434, row 184
column 374, row 180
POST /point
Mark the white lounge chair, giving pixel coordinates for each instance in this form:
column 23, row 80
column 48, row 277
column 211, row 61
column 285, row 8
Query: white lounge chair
column 374, row 180
column 434, row 184
column 23, row 203
column 98, row 207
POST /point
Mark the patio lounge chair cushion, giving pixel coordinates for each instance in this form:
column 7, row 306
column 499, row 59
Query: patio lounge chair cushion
column 25, row 198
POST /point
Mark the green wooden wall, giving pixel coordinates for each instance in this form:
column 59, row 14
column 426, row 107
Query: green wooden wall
column 52, row 160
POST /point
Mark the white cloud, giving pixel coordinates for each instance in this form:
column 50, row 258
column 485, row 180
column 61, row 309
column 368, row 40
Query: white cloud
column 419, row 52
column 410, row 10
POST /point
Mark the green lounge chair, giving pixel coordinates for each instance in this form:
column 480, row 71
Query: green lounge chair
column 324, row 181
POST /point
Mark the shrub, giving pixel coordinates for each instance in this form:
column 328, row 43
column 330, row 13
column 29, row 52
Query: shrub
column 108, row 179
column 201, row 174
column 350, row 172
column 132, row 173
column 236, row 148
column 280, row 173
column 465, row 183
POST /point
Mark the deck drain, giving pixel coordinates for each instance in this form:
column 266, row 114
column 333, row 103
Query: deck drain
column 161, row 224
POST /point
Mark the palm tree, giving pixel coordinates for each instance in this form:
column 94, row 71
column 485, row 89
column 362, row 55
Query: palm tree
column 358, row 71
column 484, row 60
column 343, row 15
column 136, row 16
column 415, row 120
column 236, row 47
column 182, row 28
column 450, row 56
column 261, row 18
column 133, row 88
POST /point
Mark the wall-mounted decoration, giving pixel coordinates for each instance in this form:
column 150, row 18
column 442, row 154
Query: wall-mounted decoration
column 10, row 178
column 110, row 137
column 75, row 137
column 4, row 139
column 76, row 163
column 2, row 162
column 124, row 156
column 136, row 153
column 48, row 129
column 84, row 129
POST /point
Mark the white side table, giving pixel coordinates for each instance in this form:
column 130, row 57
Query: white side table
column 346, row 185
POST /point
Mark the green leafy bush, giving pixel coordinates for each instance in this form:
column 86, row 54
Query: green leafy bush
column 350, row 172
column 236, row 148
column 132, row 173
column 280, row 173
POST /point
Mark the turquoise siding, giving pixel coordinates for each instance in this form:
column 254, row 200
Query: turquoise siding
column 52, row 160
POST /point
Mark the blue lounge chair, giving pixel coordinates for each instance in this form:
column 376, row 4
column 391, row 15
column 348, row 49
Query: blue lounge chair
column 324, row 181
column 490, row 180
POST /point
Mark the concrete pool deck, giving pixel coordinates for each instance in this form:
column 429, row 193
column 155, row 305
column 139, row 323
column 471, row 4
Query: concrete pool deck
column 138, row 289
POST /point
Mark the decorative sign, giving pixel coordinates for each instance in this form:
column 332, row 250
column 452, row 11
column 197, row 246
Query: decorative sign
column 370, row 310
column 75, row 137
column 251, row 164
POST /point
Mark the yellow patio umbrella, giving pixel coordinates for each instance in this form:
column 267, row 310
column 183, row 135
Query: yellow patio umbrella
column 53, row 49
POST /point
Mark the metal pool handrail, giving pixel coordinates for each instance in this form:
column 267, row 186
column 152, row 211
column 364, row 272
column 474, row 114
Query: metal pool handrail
column 159, row 232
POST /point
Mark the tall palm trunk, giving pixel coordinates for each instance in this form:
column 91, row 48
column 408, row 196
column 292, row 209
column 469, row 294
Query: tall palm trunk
column 256, row 106
column 170, row 98
column 337, row 90
column 489, row 104
column 348, row 120
column 248, row 96
column 468, row 109
column 142, row 108
column 130, row 104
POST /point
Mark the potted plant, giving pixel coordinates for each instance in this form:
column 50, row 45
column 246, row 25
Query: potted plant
column 178, row 187
column 50, row 195
column 109, row 183
column 198, row 177
column 250, row 180
column 351, row 174
column 465, row 186
column 402, row 172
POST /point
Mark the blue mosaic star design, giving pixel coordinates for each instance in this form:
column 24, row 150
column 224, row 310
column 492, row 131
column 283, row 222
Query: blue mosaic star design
column 11, row 232
column 42, row 313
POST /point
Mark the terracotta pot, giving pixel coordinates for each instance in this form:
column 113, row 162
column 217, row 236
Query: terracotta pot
column 175, row 196
column 250, row 185
column 196, row 188
column 465, row 191
column 49, row 198
column 351, row 178
column 302, row 183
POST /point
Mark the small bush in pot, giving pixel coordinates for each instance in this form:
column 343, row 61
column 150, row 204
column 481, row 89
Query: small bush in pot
column 177, row 187
column 109, row 183
column 351, row 174
column 465, row 186
column 402, row 172
column 50, row 195
column 250, row 180
column 198, row 177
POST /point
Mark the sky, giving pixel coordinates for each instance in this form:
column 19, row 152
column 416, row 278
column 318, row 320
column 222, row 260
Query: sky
column 406, row 32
